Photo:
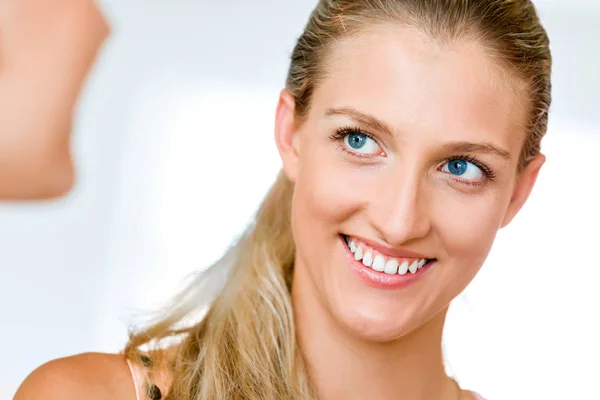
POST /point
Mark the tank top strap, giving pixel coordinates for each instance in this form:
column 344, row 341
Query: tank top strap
column 476, row 396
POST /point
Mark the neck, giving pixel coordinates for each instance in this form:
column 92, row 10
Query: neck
column 344, row 366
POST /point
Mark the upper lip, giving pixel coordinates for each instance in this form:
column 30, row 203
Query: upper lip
column 393, row 252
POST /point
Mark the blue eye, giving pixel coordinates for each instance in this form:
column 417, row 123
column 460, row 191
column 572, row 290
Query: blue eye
column 463, row 169
column 361, row 143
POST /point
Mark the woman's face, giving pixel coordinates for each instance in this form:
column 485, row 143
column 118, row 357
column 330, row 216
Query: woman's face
column 404, row 170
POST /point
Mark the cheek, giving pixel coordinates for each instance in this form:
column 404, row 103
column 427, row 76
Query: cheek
column 467, row 227
column 325, row 198
column 325, row 193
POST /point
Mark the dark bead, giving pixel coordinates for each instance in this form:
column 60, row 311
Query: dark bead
column 154, row 392
column 146, row 361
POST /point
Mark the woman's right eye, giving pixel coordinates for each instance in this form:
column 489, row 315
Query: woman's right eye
column 361, row 143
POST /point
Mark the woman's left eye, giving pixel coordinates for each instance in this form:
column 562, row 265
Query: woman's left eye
column 361, row 143
column 463, row 169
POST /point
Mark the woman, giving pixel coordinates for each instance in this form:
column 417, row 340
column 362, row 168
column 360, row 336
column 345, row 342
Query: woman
column 46, row 51
column 410, row 134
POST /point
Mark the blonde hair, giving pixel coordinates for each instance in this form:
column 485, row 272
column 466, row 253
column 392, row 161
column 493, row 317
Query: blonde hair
column 244, row 347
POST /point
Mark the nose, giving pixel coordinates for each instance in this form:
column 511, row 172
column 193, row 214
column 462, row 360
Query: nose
column 399, row 212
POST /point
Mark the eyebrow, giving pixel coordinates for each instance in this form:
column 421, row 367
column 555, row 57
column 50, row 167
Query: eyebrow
column 363, row 119
column 373, row 123
column 481, row 148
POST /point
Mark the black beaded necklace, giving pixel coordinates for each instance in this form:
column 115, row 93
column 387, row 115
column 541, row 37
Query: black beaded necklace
column 152, row 391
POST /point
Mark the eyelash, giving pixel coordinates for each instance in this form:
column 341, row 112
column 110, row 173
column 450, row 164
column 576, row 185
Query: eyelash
column 341, row 133
column 487, row 171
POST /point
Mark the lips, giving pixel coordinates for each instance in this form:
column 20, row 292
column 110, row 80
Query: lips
column 393, row 252
column 383, row 259
column 389, row 280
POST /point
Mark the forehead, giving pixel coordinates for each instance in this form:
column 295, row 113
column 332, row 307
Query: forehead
column 417, row 85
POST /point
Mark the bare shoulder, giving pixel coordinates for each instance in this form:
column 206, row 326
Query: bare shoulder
column 93, row 376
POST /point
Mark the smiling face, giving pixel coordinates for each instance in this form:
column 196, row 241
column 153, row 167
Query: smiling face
column 404, row 168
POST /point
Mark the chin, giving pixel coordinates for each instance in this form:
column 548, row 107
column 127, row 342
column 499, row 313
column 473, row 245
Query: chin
column 376, row 325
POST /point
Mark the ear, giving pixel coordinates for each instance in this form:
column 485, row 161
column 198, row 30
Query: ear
column 286, row 136
column 524, row 185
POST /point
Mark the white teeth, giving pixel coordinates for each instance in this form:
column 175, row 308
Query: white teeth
column 391, row 267
column 358, row 254
column 352, row 246
column 414, row 267
column 403, row 268
column 368, row 259
column 379, row 263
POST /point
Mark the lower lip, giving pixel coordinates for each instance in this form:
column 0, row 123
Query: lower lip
column 382, row 280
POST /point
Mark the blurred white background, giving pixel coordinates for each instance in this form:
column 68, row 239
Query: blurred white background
column 175, row 151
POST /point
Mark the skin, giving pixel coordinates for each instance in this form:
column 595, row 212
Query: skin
column 361, row 342
column 93, row 376
column 46, row 52
column 398, row 194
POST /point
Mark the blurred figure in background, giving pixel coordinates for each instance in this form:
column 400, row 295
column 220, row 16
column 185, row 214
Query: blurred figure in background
column 47, row 49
